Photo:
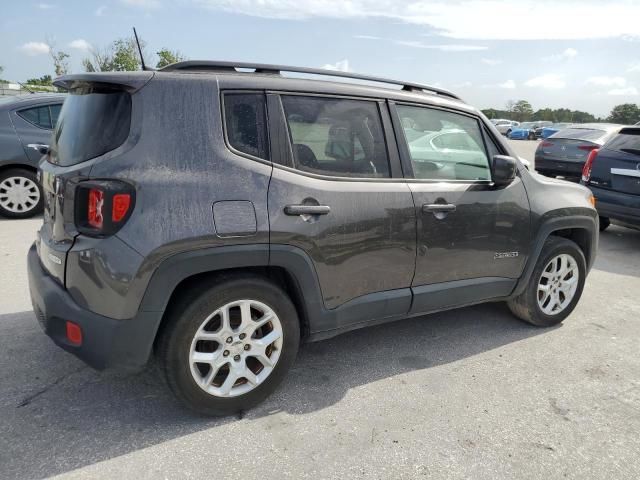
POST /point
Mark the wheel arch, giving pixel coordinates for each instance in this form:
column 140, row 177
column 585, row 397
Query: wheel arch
column 182, row 273
column 581, row 229
column 18, row 166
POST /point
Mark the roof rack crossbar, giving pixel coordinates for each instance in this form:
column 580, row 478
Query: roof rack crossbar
column 277, row 69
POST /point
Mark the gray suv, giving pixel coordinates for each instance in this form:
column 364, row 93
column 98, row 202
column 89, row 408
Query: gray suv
column 26, row 122
column 219, row 214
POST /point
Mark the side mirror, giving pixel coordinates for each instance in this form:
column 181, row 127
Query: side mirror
column 504, row 170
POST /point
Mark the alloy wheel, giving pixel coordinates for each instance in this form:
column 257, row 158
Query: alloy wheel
column 558, row 284
column 236, row 348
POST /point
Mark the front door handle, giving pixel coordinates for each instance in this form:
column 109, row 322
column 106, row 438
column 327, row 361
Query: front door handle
column 306, row 210
column 438, row 207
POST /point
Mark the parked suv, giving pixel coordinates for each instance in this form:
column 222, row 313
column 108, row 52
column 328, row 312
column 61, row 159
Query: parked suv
column 219, row 217
column 613, row 175
column 26, row 122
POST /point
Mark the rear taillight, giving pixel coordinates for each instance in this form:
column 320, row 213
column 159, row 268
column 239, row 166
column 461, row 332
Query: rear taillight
column 103, row 207
column 588, row 148
column 546, row 144
column 588, row 165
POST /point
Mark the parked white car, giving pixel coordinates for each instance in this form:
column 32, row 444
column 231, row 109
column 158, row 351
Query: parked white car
column 505, row 126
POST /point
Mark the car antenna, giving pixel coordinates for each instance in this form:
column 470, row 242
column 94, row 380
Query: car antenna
column 25, row 87
column 144, row 67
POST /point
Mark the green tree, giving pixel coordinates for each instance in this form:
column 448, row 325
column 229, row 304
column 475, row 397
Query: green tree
column 2, row 70
column 626, row 114
column 120, row 56
column 43, row 81
column 167, row 57
column 522, row 110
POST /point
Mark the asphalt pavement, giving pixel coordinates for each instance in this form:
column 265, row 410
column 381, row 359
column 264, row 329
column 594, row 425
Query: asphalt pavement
column 471, row 393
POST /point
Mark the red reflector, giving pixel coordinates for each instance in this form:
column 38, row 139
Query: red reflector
column 588, row 148
column 94, row 210
column 74, row 333
column 588, row 165
column 121, row 203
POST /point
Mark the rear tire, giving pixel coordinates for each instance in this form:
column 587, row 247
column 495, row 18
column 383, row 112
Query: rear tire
column 20, row 194
column 223, row 377
column 553, row 291
column 604, row 223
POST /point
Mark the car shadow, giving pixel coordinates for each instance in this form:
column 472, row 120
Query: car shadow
column 51, row 402
column 619, row 251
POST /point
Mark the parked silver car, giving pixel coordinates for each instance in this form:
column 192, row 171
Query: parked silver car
column 26, row 122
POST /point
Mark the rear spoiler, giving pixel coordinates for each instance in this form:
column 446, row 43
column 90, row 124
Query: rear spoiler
column 129, row 81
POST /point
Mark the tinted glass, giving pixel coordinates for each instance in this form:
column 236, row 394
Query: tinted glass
column 38, row 116
column 55, row 113
column 627, row 141
column 444, row 145
column 91, row 123
column 336, row 137
column 590, row 134
column 246, row 123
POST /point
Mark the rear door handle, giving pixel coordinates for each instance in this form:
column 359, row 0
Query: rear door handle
column 40, row 147
column 306, row 210
column 438, row 207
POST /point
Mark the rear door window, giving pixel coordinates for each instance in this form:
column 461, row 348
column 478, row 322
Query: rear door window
column 54, row 110
column 39, row 116
column 337, row 137
column 92, row 122
column 627, row 141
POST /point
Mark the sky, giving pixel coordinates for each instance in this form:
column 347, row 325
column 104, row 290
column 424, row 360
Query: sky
column 578, row 54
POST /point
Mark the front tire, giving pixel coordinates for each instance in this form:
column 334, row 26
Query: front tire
column 20, row 194
column 228, row 346
column 555, row 285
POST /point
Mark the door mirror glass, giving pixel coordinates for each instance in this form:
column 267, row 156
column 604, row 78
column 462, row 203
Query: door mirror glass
column 504, row 170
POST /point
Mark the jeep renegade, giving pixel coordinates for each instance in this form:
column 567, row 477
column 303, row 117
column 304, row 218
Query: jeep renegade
column 218, row 214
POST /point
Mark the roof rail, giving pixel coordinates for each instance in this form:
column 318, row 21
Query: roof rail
column 277, row 69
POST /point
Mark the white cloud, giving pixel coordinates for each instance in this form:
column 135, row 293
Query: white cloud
column 463, row 85
column 444, row 48
column 628, row 91
column 634, row 67
column 35, row 48
column 367, row 37
column 509, row 84
column 465, row 19
column 45, row 6
column 603, row 81
column 341, row 66
column 144, row 4
column 567, row 54
column 80, row 44
column 100, row 10
column 491, row 61
column 548, row 80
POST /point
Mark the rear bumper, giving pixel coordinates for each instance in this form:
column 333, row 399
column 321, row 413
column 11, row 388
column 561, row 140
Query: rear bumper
column 106, row 342
column 623, row 207
column 558, row 167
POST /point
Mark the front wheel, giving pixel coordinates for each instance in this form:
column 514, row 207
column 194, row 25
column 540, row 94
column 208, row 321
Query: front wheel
column 555, row 285
column 228, row 347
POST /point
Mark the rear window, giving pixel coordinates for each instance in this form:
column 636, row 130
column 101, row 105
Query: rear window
column 628, row 141
column 590, row 134
column 39, row 116
column 92, row 122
